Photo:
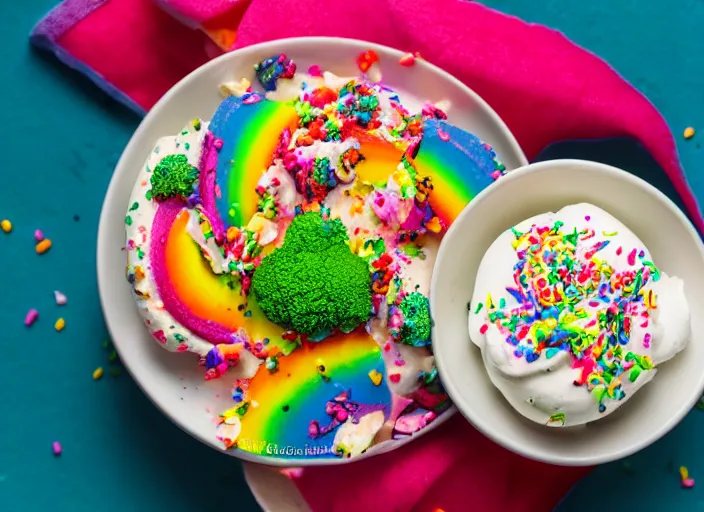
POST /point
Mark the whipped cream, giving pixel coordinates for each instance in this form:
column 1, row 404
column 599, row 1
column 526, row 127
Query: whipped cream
column 572, row 316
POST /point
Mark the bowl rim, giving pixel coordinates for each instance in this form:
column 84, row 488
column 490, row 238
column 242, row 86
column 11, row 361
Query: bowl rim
column 458, row 398
column 104, row 243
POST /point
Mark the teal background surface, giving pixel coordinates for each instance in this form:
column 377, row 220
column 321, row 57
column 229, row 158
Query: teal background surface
column 61, row 139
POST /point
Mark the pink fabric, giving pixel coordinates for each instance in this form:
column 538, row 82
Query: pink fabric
column 136, row 47
column 198, row 10
column 546, row 89
column 455, row 469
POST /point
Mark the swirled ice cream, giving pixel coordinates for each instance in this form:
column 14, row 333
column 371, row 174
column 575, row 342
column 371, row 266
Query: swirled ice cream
column 289, row 244
column 572, row 315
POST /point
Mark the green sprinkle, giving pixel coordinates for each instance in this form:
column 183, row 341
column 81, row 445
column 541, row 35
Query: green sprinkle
column 413, row 251
column 128, row 220
column 113, row 356
column 134, row 206
column 479, row 308
column 635, row 372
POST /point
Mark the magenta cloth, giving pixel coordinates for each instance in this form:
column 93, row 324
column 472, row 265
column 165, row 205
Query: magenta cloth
column 195, row 12
column 454, row 469
column 544, row 87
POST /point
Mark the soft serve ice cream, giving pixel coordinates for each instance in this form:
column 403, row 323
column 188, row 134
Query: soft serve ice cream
column 572, row 316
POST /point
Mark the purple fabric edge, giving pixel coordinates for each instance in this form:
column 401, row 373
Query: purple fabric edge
column 64, row 16
column 56, row 23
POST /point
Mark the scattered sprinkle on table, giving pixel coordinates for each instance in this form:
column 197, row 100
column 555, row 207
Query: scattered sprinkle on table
column 56, row 448
column 687, row 482
column 98, row 373
column 60, row 324
column 6, row 225
column 43, row 246
column 38, row 235
column 688, row 132
column 31, row 317
column 60, row 298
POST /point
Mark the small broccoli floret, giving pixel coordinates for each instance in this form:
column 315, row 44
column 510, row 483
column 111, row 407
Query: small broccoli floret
column 173, row 177
column 417, row 323
column 313, row 283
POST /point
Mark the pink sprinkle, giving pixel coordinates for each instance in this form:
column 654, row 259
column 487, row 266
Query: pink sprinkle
column 646, row 340
column 217, row 143
column 395, row 378
column 252, row 99
column 632, row 257
column 483, row 329
column 31, row 317
column 399, row 362
column 688, row 483
column 56, row 448
column 444, row 136
column 38, row 235
column 495, row 175
column 315, row 70
column 619, row 251
column 587, row 218
column 60, row 298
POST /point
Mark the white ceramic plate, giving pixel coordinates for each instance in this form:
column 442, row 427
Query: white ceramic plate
column 174, row 382
column 676, row 249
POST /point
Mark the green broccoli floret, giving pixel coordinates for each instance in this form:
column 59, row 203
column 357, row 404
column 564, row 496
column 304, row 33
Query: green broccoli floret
column 417, row 323
column 313, row 283
column 173, row 177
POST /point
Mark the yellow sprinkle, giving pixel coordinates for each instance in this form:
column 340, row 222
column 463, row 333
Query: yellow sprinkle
column 684, row 472
column 688, row 132
column 489, row 302
column 43, row 246
column 434, row 225
column 375, row 377
column 232, row 233
column 60, row 324
column 6, row 225
column 97, row 373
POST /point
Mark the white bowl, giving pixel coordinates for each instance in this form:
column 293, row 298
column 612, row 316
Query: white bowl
column 173, row 381
column 548, row 186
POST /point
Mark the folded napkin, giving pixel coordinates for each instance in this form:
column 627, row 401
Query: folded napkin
column 544, row 87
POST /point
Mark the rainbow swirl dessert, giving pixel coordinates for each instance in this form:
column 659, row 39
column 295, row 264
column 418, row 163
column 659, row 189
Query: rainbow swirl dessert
column 289, row 243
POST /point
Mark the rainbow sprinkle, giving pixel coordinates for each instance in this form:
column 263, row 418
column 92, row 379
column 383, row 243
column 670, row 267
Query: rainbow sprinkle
column 570, row 300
